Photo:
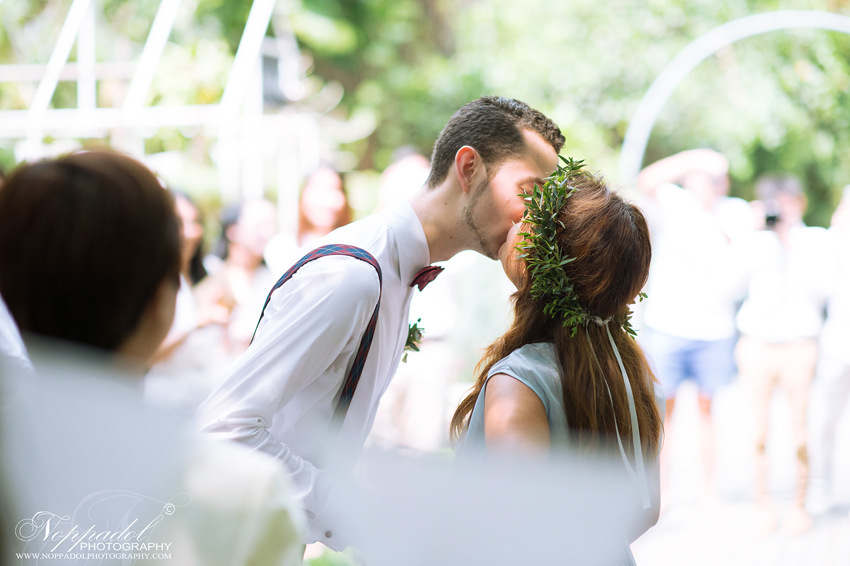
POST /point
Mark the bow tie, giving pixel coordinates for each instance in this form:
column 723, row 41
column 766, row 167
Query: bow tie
column 425, row 276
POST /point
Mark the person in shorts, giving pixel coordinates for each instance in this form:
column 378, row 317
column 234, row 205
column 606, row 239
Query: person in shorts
column 688, row 329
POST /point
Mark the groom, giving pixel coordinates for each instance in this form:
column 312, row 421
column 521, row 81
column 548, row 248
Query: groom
column 291, row 392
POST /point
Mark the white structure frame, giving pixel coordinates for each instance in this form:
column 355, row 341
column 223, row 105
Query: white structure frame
column 640, row 127
column 245, row 134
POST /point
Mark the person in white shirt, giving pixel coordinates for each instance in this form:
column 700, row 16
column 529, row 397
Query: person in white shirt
column 281, row 396
column 779, row 323
column 89, row 266
column 688, row 328
column 831, row 387
column 236, row 291
column 322, row 208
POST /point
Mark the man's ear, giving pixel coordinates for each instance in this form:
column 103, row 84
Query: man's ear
column 468, row 166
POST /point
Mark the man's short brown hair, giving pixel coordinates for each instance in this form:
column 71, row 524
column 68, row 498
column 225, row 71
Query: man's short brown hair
column 85, row 243
column 493, row 126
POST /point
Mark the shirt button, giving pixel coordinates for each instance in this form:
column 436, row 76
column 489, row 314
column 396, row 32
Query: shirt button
column 329, row 534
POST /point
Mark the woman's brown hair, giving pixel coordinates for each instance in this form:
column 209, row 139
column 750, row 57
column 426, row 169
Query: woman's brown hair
column 610, row 240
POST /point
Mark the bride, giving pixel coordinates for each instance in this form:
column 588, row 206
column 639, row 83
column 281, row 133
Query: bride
column 568, row 372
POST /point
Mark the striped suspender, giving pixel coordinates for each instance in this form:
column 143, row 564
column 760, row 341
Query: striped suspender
column 348, row 388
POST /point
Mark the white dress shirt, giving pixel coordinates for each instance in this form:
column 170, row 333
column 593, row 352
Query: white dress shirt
column 835, row 335
column 788, row 286
column 694, row 276
column 280, row 396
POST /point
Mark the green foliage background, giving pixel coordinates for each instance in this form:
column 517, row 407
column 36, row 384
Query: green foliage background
column 773, row 102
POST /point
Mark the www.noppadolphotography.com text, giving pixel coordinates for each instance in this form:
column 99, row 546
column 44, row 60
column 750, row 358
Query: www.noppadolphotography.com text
column 107, row 525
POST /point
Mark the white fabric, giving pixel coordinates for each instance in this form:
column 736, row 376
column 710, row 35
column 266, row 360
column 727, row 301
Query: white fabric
column 76, row 440
column 835, row 335
column 279, row 397
column 639, row 477
column 13, row 353
column 183, row 380
column 246, row 313
column 830, row 390
column 787, row 287
column 280, row 253
column 829, row 400
column 638, row 472
column 694, row 277
column 185, row 312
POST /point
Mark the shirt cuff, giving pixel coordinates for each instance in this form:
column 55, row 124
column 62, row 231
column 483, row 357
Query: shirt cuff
column 327, row 526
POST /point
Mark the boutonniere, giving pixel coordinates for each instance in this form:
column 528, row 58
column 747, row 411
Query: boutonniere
column 414, row 338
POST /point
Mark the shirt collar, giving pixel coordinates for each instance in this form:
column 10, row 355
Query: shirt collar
column 413, row 252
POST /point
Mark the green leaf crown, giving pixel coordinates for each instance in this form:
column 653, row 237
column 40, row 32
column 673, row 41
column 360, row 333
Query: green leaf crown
column 540, row 250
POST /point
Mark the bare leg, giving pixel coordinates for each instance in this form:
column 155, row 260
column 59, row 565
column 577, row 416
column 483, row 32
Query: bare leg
column 829, row 393
column 665, row 452
column 755, row 368
column 708, row 449
column 797, row 374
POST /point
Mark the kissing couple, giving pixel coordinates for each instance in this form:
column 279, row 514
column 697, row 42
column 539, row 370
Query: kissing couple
column 568, row 371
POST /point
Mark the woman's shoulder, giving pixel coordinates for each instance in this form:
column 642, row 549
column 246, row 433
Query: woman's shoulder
column 536, row 366
column 534, row 357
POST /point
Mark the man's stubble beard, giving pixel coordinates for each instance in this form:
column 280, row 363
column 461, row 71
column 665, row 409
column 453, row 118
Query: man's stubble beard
column 471, row 221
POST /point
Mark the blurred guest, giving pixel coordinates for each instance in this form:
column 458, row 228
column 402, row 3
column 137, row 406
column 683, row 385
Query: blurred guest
column 184, row 369
column 191, row 272
column 405, row 175
column 89, row 265
column 238, row 290
column 689, row 318
column 192, row 250
column 779, row 323
column 322, row 208
column 831, row 387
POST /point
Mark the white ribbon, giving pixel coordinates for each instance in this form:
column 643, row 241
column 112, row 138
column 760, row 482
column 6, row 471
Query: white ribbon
column 638, row 477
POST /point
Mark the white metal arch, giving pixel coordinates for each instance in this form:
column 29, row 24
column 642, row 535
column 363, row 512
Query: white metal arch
column 640, row 127
column 244, row 132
